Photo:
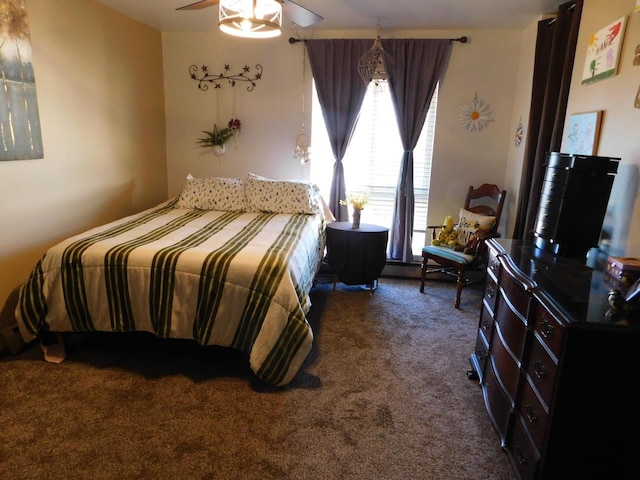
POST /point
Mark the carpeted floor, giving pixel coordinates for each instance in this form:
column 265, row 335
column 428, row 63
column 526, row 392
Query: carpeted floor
column 383, row 395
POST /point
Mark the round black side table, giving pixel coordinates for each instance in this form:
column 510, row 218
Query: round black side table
column 357, row 255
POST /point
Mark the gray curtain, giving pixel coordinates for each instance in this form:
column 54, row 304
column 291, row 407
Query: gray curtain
column 418, row 65
column 334, row 65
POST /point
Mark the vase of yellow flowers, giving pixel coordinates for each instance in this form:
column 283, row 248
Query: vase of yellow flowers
column 356, row 218
column 357, row 202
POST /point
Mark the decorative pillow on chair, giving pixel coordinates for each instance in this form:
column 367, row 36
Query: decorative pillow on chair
column 282, row 196
column 217, row 193
column 469, row 223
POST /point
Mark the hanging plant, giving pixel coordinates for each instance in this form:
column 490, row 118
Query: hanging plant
column 217, row 137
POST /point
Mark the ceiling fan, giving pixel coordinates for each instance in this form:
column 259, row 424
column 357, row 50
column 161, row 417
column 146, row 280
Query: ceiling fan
column 299, row 15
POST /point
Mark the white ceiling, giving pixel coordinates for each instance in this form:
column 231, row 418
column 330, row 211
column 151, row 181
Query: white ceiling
column 357, row 14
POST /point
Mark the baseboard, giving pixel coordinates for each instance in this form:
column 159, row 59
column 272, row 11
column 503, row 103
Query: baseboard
column 401, row 270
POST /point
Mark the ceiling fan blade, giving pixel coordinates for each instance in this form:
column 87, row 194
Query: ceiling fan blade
column 199, row 5
column 301, row 16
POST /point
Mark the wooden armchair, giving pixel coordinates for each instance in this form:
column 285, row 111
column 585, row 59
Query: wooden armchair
column 478, row 220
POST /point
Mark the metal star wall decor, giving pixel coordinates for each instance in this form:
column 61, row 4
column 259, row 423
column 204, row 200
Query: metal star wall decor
column 204, row 78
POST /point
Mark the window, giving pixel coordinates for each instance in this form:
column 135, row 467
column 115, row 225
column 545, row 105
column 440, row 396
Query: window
column 372, row 160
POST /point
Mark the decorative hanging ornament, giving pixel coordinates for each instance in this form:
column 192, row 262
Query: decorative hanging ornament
column 476, row 115
column 302, row 150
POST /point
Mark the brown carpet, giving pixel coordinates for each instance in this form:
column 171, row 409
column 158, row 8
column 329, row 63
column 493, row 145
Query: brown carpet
column 382, row 395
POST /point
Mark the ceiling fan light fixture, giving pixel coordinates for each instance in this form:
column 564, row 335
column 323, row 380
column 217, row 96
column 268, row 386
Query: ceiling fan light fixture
column 375, row 65
column 251, row 18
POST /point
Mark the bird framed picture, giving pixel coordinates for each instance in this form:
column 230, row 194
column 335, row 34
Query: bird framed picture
column 584, row 132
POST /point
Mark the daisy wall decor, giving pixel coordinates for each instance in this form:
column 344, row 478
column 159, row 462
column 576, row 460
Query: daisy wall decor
column 518, row 134
column 476, row 115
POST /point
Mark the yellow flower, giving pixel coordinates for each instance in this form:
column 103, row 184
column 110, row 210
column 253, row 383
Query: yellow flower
column 357, row 200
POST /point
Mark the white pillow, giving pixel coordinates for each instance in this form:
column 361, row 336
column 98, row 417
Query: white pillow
column 469, row 223
column 282, row 196
column 216, row 193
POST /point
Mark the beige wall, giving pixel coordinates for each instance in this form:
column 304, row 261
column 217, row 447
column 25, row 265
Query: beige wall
column 106, row 84
column 619, row 130
column 270, row 115
column 100, row 97
column 615, row 96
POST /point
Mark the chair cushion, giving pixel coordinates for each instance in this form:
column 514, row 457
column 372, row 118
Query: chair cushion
column 469, row 223
column 449, row 254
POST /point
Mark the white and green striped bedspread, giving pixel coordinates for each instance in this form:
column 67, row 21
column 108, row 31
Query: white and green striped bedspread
column 233, row 279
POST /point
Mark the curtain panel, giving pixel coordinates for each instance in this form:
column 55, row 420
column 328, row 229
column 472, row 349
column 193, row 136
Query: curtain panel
column 418, row 65
column 555, row 52
column 334, row 66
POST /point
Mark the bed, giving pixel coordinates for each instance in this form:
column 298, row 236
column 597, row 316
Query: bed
column 228, row 262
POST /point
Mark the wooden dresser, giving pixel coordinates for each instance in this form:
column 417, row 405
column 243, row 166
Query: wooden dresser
column 557, row 370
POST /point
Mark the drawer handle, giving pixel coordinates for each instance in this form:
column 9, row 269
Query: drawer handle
column 491, row 292
column 486, row 324
column 532, row 415
column 495, row 264
column 546, row 329
column 539, row 369
column 520, row 455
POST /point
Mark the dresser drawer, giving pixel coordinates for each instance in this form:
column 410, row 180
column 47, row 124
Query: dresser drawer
column 559, row 160
column 554, row 189
column 549, row 331
column 534, row 414
column 498, row 405
column 481, row 355
column 490, row 293
column 523, row 454
column 516, row 294
column 512, row 329
column 493, row 264
column 486, row 324
column 542, row 370
column 546, row 229
column 558, row 173
column 551, row 203
column 507, row 370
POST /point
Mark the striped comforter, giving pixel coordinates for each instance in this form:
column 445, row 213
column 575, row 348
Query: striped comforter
column 234, row 279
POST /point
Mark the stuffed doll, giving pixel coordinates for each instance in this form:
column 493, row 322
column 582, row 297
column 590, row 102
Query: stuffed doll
column 446, row 235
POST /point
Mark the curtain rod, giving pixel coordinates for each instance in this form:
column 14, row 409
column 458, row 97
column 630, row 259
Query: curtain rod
column 459, row 39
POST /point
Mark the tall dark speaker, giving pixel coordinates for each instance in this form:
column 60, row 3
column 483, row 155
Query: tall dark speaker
column 573, row 203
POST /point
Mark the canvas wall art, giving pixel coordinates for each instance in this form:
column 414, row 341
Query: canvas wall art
column 20, row 134
column 603, row 52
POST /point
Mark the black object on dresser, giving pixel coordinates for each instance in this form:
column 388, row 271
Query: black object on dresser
column 558, row 369
column 573, row 202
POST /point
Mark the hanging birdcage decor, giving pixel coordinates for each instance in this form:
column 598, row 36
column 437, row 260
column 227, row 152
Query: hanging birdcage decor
column 375, row 65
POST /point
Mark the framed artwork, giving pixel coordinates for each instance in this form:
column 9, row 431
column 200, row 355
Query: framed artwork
column 603, row 52
column 20, row 134
column 584, row 131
